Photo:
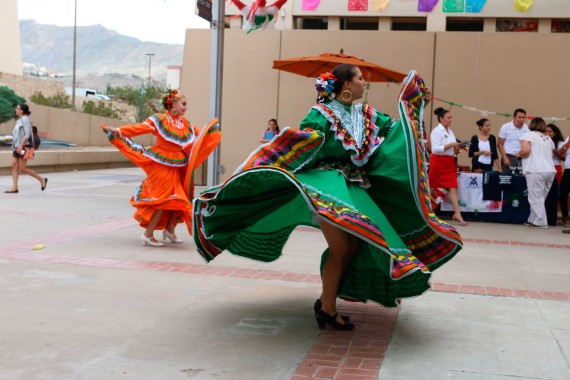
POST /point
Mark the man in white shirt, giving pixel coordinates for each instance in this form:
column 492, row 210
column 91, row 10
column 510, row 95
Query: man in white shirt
column 509, row 141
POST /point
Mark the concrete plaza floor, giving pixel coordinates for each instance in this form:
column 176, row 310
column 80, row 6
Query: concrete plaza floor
column 92, row 303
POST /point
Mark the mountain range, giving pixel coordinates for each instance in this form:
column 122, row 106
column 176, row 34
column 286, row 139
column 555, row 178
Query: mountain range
column 99, row 51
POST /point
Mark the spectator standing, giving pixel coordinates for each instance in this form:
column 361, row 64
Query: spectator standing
column 565, row 182
column 538, row 169
column 483, row 148
column 442, row 162
column 556, row 135
column 271, row 131
column 509, row 141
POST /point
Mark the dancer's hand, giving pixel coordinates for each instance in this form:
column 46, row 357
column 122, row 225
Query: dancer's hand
column 427, row 97
column 114, row 131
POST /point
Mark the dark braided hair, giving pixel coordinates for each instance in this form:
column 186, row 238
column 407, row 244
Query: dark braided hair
column 344, row 72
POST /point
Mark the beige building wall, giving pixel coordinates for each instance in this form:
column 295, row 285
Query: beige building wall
column 497, row 72
column 11, row 61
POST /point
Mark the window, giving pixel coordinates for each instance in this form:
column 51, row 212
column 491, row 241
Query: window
column 313, row 23
column 560, row 26
column 464, row 25
column 361, row 23
column 517, row 25
column 409, row 23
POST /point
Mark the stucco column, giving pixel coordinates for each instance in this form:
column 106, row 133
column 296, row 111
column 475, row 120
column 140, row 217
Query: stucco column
column 436, row 19
column 334, row 23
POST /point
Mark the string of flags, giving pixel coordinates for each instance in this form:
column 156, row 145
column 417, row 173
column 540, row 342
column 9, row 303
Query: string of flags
column 258, row 15
column 451, row 6
column 485, row 113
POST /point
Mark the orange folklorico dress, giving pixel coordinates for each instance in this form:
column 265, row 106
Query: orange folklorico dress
column 169, row 164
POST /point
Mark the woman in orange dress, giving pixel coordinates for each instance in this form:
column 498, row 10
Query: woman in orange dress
column 164, row 198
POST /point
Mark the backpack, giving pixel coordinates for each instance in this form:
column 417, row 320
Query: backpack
column 34, row 139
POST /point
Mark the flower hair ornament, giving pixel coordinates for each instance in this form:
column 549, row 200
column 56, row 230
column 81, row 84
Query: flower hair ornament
column 325, row 86
column 168, row 98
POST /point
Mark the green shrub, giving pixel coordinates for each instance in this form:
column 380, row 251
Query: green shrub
column 59, row 100
column 102, row 109
column 8, row 102
column 138, row 97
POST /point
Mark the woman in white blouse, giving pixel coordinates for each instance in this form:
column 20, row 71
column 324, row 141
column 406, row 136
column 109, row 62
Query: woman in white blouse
column 442, row 163
column 538, row 169
column 483, row 148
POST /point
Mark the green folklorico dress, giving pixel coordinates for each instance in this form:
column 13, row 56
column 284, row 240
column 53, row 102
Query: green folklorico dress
column 354, row 167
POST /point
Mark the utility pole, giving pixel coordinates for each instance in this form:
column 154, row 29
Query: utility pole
column 149, row 61
column 216, row 71
column 74, row 55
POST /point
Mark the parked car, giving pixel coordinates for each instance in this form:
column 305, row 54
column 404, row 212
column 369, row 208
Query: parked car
column 99, row 96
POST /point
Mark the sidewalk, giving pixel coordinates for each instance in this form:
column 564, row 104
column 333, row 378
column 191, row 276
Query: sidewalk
column 95, row 304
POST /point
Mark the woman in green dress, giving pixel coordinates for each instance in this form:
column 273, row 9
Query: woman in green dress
column 354, row 173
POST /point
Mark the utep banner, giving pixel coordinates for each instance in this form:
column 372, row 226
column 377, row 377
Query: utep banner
column 470, row 192
column 522, row 5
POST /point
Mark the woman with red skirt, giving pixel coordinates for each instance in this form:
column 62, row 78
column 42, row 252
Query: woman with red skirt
column 442, row 163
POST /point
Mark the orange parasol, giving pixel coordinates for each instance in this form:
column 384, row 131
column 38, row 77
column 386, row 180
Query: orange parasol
column 314, row 66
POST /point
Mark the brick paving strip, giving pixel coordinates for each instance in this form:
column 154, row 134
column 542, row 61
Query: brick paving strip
column 339, row 355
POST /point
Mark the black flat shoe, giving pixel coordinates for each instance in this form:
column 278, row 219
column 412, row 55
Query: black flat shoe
column 324, row 318
column 318, row 304
column 45, row 184
column 10, row 191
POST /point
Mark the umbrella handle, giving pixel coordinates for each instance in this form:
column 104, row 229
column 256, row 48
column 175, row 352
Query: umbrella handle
column 367, row 88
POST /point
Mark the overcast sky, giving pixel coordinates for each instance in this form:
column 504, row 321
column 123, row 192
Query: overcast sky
column 162, row 21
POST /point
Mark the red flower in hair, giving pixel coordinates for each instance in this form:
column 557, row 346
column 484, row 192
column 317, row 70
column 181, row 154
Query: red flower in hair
column 328, row 76
column 168, row 97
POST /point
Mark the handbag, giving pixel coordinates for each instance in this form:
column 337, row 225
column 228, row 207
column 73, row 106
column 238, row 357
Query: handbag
column 29, row 155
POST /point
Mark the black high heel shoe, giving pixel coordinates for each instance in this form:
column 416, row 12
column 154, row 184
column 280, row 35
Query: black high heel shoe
column 324, row 318
column 318, row 304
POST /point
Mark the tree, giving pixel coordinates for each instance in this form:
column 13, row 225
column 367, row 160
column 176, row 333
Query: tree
column 6, row 110
column 101, row 109
column 8, row 102
column 59, row 100
column 139, row 97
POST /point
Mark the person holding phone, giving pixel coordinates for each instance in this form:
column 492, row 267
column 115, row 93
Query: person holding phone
column 271, row 131
column 483, row 148
column 442, row 163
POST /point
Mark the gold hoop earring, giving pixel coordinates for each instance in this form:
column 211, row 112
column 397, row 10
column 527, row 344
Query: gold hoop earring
column 174, row 112
column 346, row 96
